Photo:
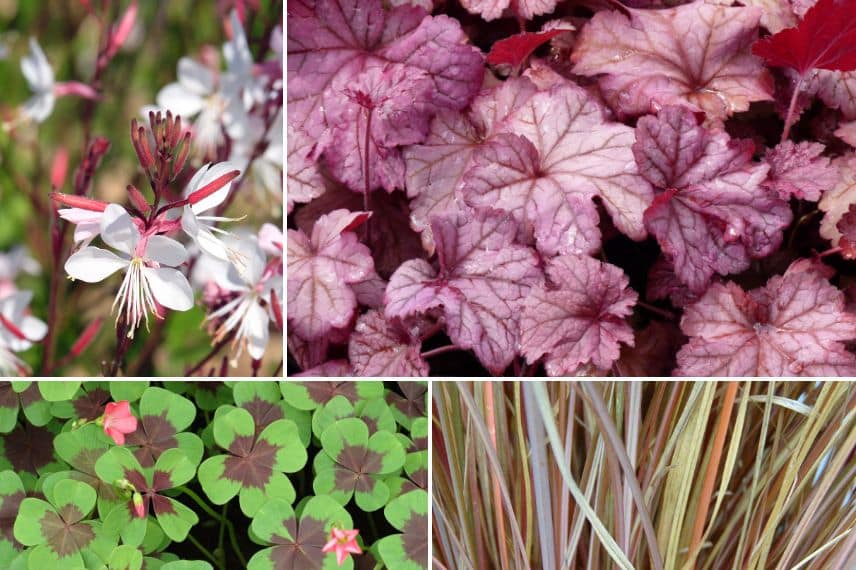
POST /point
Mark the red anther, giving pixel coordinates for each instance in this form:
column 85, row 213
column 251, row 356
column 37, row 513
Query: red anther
column 12, row 328
column 277, row 309
column 82, row 202
column 138, row 200
column 86, row 337
column 59, row 168
column 213, row 186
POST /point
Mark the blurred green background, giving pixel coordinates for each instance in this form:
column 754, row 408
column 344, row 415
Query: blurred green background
column 68, row 34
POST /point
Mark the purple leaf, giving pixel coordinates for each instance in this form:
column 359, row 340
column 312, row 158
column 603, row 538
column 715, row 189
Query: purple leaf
column 384, row 348
column 579, row 317
column 304, row 180
column 650, row 60
column 793, row 326
column 321, row 269
column 331, row 368
column 493, row 9
column 482, row 280
column 711, row 214
column 799, row 170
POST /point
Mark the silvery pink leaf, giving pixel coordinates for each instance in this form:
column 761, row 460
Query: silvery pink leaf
column 390, row 238
column 493, row 9
column 776, row 15
column 649, row 59
column 664, row 284
column 335, row 40
column 332, row 368
column 799, row 170
column 304, row 180
column 482, row 279
column 321, row 269
column 579, row 316
column 711, row 214
column 837, row 200
column 793, row 326
column 847, row 133
column 380, row 347
column 837, row 89
column 369, row 116
column 571, row 155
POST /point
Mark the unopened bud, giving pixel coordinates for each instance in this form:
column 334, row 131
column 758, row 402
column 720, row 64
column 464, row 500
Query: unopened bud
column 213, row 186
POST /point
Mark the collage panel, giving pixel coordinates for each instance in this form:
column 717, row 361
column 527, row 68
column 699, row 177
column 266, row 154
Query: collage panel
column 182, row 475
column 141, row 188
column 741, row 474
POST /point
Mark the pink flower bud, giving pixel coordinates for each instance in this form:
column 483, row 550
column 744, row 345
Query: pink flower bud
column 139, row 507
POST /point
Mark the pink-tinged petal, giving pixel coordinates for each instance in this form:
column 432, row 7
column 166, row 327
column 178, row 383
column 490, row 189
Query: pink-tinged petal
column 257, row 330
column 117, row 436
column 122, row 408
column 648, row 60
column 799, row 170
column 379, row 347
column 579, row 317
column 92, row 264
column 795, row 325
column 210, row 173
column 169, row 287
column 34, row 329
column 118, row 229
column 126, row 424
column 39, row 106
column 711, row 214
column 271, row 239
column 36, row 69
column 165, row 251
column 180, row 100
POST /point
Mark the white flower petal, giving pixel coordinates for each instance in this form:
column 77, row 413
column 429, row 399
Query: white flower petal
column 34, row 329
column 211, row 173
column 39, row 106
column 169, row 287
column 165, row 251
column 118, row 229
column 36, row 69
column 256, row 329
column 92, row 264
column 180, row 100
column 195, row 77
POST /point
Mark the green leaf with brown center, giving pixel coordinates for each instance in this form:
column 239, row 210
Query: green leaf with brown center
column 375, row 413
column 22, row 395
column 354, row 464
column 11, row 494
column 59, row 391
column 409, row 402
column 408, row 550
column 163, row 416
column 264, row 402
column 254, row 465
column 297, row 540
column 311, row 395
column 81, row 448
column 58, row 529
column 28, row 450
column 87, row 403
column 171, row 470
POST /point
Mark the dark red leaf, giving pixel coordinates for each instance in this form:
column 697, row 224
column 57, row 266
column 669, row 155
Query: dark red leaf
column 515, row 49
column 825, row 39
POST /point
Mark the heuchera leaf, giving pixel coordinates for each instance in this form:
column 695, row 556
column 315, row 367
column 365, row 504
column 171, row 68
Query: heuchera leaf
column 579, row 316
column 514, row 50
column 380, row 347
column 837, row 201
column 304, row 179
column 482, row 279
column 799, row 170
column 559, row 152
column 320, row 269
column 847, row 133
column 711, row 214
column 649, row 60
column 369, row 116
column 493, row 9
column 793, row 326
column 824, row 39
column 837, row 89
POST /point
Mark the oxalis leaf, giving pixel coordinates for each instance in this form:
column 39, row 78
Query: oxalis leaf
column 15, row 396
column 354, row 464
column 482, row 280
column 12, row 493
column 163, row 415
column 311, row 395
column 297, row 539
column 172, row 469
column 58, row 530
column 255, row 463
column 408, row 550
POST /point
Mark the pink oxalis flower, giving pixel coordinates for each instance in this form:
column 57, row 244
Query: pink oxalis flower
column 118, row 421
column 342, row 542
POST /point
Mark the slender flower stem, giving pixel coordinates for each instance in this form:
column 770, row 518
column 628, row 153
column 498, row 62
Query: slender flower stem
column 202, row 504
column 205, row 551
column 221, row 535
column 233, row 540
column 440, row 350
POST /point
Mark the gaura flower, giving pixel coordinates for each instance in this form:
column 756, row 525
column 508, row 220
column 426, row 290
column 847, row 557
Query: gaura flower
column 118, row 421
column 342, row 542
column 149, row 263
column 19, row 330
